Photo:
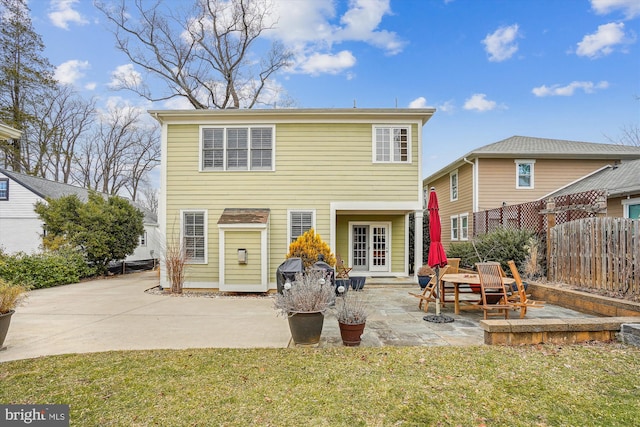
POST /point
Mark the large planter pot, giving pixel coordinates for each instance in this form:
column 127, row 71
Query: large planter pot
column 306, row 327
column 351, row 334
column 357, row 283
column 423, row 281
column 5, row 320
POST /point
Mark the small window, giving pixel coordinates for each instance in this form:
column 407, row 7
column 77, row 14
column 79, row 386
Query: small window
column 143, row 239
column 299, row 223
column 453, row 179
column 464, row 227
column 4, row 189
column 454, row 227
column 194, row 236
column 631, row 208
column 391, row 144
column 524, row 173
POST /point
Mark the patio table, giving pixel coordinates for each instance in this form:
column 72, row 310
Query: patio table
column 457, row 279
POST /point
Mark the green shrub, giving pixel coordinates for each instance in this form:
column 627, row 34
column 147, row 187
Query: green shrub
column 44, row 270
column 501, row 245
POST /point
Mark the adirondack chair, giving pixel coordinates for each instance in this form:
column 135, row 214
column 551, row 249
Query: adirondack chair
column 520, row 299
column 428, row 294
column 494, row 294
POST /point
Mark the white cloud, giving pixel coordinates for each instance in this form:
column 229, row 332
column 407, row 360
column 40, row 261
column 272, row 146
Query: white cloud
column 479, row 102
column 319, row 63
column 62, row 13
column 125, row 75
column 602, row 42
column 71, row 71
column 568, row 90
column 420, row 102
column 630, row 8
column 501, row 45
column 447, row 107
column 312, row 28
column 91, row 86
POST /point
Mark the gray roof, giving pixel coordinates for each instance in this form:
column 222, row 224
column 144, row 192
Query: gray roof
column 530, row 147
column 618, row 180
column 53, row 190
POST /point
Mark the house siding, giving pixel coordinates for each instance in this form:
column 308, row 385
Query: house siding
column 20, row 225
column 315, row 164
column 497, row 179
column 236, row 273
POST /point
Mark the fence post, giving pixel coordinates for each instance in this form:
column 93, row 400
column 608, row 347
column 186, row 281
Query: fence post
column 551, row 222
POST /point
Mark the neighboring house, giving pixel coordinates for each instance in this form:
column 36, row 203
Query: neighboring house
column 512, row 171
column 7, row 132
column 21, row 228
column 238, row 186
column 621, row 182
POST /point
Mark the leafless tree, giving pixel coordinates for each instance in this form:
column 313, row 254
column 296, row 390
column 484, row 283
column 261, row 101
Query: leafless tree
column 63, row 119
column 149, row 199
column 629, row 134
column 120, row 153
column 201, row 53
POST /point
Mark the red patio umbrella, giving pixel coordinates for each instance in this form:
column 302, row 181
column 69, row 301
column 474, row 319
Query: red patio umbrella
column 437, row 257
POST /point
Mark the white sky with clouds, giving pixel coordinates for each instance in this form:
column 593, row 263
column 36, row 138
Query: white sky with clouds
column 566, row 69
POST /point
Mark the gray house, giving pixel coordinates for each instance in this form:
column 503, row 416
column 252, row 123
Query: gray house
column 21, row 228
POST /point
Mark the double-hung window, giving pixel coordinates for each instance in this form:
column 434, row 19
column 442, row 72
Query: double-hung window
column 237, row 148
column 524, row 173
column 392, row 144
column 460, row 227
column 454, row 228
column 194, row 236
column 4, row 189
column 453, row 180
column 300, row 221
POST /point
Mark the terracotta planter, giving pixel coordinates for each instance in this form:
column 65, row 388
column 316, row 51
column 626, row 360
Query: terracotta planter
column 306, row 327
column 5, row 320
column 351, row 334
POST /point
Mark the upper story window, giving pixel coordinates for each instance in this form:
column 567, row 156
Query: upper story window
column 300, row 221
column 4, row 189
column 453, row 187
column 391, row 144
column 142, row 241
column 524, row 173
column 237, row 148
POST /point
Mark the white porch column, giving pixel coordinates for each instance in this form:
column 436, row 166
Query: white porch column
column 418, row 239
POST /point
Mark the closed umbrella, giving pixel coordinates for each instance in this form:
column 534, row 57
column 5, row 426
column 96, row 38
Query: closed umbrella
column 437, row 257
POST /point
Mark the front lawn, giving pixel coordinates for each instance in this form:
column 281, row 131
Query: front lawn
column 591, row 385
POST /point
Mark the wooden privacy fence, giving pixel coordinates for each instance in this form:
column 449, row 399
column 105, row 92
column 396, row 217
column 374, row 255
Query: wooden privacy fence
column 600, row 253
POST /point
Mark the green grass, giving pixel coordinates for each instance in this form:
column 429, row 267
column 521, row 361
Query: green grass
column 592, row 385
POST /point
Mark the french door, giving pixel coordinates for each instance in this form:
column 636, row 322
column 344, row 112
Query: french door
column 370, row 244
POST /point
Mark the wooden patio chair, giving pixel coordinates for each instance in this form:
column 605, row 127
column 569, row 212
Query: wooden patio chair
column 428, row 294
column 520, row 299
column 494, row 294
column 342, row 272
column 454, row 268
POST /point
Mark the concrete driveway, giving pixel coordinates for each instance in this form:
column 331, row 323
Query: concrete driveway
column 116, row 314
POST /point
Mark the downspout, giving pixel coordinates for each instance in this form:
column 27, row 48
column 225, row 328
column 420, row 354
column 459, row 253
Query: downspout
column 474, row 184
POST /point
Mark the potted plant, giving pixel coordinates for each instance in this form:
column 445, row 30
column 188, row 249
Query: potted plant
column 10, row 296
column 304, row 302
column 351, row 311
column 425, row 273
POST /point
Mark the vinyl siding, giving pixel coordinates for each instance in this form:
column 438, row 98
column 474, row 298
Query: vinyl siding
column 236, row 273
column 497, row 179
column 315, row 164
column 20, row 226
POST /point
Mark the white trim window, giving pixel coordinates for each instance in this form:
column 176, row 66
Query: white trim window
column 4, row 189
column 524, row 174
column 453, row 185
column 300, row 221
column 237, row 148
column 464, row 226
column 631, row 208
column 392, row 144
column 454, row 227
column 143, row 239
column 194, row 235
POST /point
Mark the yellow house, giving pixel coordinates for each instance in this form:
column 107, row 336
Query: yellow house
column 516, row 170
column 237, row 186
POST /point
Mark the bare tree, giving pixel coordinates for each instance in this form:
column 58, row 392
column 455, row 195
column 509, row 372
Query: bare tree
column 201, row 54
column 120, row 153
column 149, row 199
column 63, row 119
column 630, row 134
